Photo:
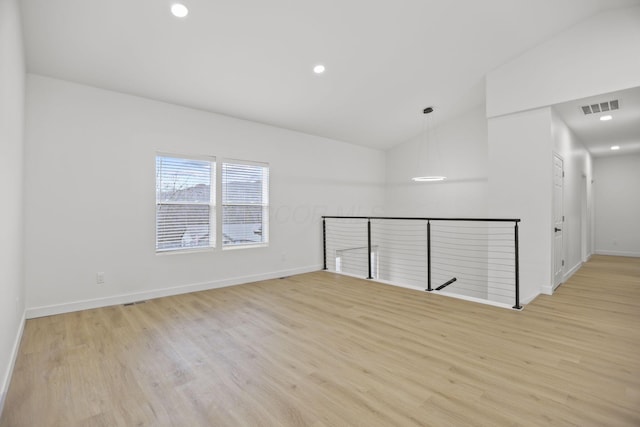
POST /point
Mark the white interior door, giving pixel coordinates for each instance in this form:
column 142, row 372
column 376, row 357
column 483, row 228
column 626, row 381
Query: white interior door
column 558, row 220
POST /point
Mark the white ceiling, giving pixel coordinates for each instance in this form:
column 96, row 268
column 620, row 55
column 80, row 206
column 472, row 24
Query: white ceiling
column 598, row 136
column 253, row 59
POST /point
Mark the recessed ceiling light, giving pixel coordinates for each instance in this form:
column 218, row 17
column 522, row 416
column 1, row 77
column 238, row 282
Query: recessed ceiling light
column 615, row 147
column 607, row 117
column 179, row 10
column 318, row 69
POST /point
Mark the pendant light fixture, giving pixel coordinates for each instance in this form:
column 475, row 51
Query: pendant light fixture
column 432, row 153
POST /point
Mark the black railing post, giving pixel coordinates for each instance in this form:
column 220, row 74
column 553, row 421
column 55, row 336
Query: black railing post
column 428, row 256
column 517, row 266
column 370, row 276
column 324, row 243
column 372, row 263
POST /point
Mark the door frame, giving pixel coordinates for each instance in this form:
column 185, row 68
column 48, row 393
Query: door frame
column 557, row 279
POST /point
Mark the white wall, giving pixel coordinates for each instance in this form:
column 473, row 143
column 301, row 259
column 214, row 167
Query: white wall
column 462, row 143
column 617, row 205
column 519, row 96
column 90, row 178
column 462, row 152
column 599, row 55
column 520, row 184
column 90, row 174
column 11, row 175
column 577, row 203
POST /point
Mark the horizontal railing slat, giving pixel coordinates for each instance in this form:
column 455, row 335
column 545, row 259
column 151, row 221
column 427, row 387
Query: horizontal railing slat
column 424, row 218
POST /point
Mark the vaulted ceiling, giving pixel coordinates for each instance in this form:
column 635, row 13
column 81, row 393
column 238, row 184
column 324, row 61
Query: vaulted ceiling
column 253, row 59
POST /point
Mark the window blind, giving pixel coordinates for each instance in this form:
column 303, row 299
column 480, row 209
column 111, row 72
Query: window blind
column 245, row 203
column 185, row 203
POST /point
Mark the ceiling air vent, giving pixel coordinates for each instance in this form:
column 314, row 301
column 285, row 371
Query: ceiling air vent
column 600, row 108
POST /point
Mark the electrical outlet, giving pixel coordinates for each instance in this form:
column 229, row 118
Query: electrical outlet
column 100, row 278
column 284, row 256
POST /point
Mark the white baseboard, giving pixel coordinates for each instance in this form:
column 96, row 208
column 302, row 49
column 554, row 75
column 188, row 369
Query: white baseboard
column 617, row 253
column 6, row 380
column 49, row 310
column 547, row 290
column 571, row 272
column 526, row 300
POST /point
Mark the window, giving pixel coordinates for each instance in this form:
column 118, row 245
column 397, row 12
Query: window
column 185, row 202
column 245, row 203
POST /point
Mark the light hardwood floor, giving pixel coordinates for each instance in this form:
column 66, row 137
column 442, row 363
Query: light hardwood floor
column 326, row 350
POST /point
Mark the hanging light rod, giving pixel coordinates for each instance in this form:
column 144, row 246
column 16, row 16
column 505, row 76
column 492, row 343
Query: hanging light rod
column 431, row 178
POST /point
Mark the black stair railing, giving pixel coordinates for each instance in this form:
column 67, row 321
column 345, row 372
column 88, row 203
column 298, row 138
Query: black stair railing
column 462, row 252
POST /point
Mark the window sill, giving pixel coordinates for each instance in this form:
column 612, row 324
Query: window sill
column 185, row 251
column 246, row 246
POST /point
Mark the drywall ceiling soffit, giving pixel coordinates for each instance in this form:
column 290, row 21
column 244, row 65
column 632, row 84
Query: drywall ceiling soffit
column 253, row 59
column 598, row 136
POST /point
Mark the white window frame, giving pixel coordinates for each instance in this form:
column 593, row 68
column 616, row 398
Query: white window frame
column 264, row 204
column 211, row 203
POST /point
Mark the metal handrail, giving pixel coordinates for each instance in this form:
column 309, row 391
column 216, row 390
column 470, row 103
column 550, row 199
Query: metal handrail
column 516, row 306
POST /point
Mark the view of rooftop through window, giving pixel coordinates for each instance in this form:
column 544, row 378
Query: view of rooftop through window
column 245, row 203
column 185, row 203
